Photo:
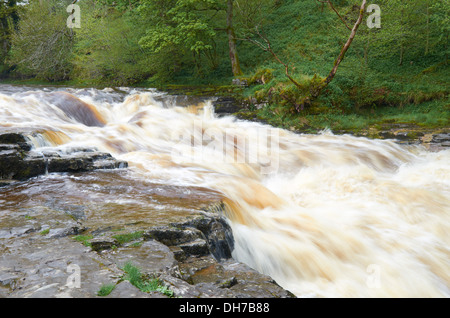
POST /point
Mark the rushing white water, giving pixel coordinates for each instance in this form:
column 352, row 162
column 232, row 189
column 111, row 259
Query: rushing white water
column 324, row 215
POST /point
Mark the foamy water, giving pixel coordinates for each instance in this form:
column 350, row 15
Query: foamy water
column 324, row 215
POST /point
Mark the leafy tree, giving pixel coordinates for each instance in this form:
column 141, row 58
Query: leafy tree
column 42, row 43
column 8, row 20
column 183, row 24
column 235, row 64
column 106, row 46
column 316, row 85
column 410, row 30
column 440, row 20
column 199, row 27
column 128, row 41
column 121, row 5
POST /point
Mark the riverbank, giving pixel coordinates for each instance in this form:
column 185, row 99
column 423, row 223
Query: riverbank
column 409, row 123
column 413, row 123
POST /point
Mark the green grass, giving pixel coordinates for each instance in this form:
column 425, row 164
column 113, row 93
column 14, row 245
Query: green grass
column 136, row 244
column 129, row 237
column 144, row 283
column 361, row 94
column 44, row 232
column 84, row 239
column 427, row 115
column 105, row 290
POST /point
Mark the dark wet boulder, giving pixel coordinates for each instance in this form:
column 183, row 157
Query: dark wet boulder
column 442, row 139
column 19, row 161
column 15, row 165
column 226, row 105
column 16, row 140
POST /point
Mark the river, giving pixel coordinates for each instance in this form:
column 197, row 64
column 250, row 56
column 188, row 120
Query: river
column 324, row 215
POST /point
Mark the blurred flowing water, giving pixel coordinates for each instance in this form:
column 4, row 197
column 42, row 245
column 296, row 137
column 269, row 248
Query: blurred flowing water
column 324, row 215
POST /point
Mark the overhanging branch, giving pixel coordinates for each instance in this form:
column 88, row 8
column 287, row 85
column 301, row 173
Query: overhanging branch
column 347, row 44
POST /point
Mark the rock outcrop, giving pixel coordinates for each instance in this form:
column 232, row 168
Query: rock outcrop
column 18, row 160
column 69, row 236
column 224, row 106
column 54, row 254
column 442, row 139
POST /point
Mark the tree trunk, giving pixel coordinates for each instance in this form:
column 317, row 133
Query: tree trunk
column 427, row 44
column 446, row 50
column 402, row 53
column 366, row 50
column 3, row 39
column 402, row 35
column 346, row 45
column 236, row 67
column 316, row 86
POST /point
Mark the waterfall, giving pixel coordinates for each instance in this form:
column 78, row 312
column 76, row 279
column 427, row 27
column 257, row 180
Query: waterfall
column 324, row 215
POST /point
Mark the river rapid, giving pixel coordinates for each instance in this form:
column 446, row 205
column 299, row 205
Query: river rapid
column 324, row 215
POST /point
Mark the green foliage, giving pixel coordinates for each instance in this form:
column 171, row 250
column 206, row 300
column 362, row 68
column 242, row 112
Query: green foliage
column 410, row 30
column 44, row 232
column 84, row 239
column 132, row 274
column 143, row 283
column 126, row 238
column 107, row 49
column 120, row 5
column 261, row 76
column 8, row 21
column 179, row 23
column 429, row 114
column 184, row 26
column 42, row 43
column 440, row 11
column 105, row 290
column 403, row 62
column 161, row 42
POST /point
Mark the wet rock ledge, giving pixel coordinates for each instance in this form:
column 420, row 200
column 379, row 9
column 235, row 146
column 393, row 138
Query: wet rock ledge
column 18, row 160
column 68, row 236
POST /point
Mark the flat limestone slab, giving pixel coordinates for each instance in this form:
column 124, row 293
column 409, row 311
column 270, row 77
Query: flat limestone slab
column 67, row 235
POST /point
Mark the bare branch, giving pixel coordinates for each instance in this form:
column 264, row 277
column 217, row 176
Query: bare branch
column 334, row 9
column 316, row 89
column 347, row 44
column 268, row 48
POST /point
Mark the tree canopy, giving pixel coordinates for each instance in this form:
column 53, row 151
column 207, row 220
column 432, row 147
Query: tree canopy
column 155, row 42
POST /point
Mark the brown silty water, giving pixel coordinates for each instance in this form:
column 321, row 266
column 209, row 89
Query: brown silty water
column 324, row 215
